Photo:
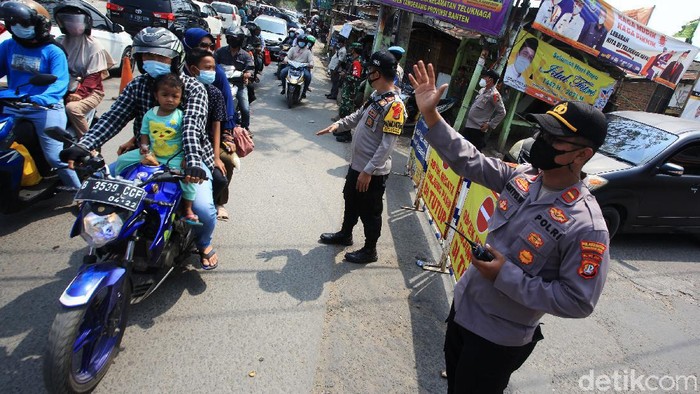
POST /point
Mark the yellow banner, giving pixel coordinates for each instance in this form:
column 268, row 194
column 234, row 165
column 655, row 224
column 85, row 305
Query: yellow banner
column 416, row 168
column 478, row 207
column 549, row 74
column 440, row 191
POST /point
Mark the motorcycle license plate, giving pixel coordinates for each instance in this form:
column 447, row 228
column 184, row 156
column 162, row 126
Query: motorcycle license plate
column 120, row 194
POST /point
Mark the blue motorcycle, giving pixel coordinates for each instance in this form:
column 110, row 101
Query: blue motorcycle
column 131, row 224
column 19, row 145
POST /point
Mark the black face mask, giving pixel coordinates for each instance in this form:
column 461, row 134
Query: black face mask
column 542, row 155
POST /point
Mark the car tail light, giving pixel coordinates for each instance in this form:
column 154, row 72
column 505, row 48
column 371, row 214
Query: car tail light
column 169, row 16
column 114, row 7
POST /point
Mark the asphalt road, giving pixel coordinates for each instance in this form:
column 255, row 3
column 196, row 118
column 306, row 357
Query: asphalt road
column 288, row 311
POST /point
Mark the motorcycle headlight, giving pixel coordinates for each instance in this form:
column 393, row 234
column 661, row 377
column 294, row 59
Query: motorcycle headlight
column 595, row 182
column 98, row 230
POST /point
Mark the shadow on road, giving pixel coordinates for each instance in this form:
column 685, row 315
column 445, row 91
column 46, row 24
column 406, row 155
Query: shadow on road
column 55, row 206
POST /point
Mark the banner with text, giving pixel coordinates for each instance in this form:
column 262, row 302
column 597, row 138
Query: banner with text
column 553, row 76
column 473, row 222
column 593, row 26
column 440, row 191
column 483, row 16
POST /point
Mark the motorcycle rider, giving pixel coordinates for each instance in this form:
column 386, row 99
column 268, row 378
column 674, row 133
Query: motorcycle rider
column 302, row 54
column 398, row 53
column 32, row 50
column 88, row 62
column 291, row 35
column 158, row 51
column 236, row 58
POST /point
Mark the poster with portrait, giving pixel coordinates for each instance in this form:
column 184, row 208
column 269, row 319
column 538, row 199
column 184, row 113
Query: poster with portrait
column 549, row 74
column 692, row 108
column 593, row 26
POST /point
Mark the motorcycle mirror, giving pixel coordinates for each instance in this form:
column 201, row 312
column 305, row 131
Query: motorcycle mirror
column 42, row 79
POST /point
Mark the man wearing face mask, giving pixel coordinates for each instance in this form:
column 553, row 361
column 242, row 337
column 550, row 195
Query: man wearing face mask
column 233, row 58
column 377, row 126
column 547, row 235
column 594, row 33
column 549, row 13
column 514, row 73
column 487, row 111
column 302, row 54
column 157, row 52
column 571, row 23
column 32, row 50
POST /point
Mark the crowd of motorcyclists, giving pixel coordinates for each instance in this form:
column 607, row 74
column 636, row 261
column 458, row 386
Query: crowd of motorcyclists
column 80, row 64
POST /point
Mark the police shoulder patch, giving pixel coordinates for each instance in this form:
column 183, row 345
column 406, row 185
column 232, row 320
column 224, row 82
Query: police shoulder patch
column 394, row 119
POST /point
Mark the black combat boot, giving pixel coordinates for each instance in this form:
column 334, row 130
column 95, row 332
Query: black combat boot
column 339, row 238
column 362, row 256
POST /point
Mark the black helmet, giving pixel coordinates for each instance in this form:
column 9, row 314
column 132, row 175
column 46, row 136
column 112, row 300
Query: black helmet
column 253, row 27
column 303, row 38
column 72, row 12
column 27, row 13
column 158, row 41
column 236, row 36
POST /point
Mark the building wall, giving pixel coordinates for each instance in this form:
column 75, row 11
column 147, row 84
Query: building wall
column 634, row 95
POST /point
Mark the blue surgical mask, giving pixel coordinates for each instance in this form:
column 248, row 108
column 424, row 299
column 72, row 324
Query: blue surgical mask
column 302, row 44
column 155, row 68
column 26, row 33
column 206, row 77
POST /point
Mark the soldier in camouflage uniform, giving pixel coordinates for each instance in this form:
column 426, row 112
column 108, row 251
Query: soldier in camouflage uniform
column 352, row 80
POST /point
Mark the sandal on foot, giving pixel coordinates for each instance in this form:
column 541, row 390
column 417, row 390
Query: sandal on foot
column 208, row 257
column 221, row 213
column 192, row 220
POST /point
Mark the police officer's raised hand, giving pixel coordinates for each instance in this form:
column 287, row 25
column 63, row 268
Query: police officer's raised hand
column 363, row 182
column 427, row 95
column 490, row 269
column 330, row 129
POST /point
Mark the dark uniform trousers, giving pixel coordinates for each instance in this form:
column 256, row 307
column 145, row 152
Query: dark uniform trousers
column 476, row 365
column 475, row 136
column 367, row 206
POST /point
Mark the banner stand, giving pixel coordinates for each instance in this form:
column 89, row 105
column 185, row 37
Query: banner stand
column 416, row 204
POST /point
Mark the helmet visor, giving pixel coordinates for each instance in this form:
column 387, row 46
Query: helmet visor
column 74, row 24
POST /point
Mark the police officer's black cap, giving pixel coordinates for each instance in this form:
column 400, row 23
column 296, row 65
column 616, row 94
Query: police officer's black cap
column 574, row 119
column 491, row 74
column 383, row 60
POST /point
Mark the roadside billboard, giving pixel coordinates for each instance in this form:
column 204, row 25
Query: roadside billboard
column 483, row 16
column 551, row 75
column 593, row 26
column 440, row 191
column 477, row 209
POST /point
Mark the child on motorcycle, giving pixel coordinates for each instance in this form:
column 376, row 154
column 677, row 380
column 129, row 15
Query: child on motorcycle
column 161, row 138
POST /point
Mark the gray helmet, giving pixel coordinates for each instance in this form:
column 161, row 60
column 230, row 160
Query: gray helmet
column 159, row 41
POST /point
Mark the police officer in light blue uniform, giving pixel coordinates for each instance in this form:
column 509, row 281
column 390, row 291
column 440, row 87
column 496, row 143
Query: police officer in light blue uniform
column 377, row 126
column 548, row 236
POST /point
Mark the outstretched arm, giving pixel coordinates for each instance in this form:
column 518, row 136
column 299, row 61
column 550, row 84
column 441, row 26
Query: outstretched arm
column 427, row 95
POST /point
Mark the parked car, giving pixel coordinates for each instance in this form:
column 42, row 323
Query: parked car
column 108, row 33
column 646, row 177
column 214, row 20
column 273, row 31
column 175, row 15
column 229, row 13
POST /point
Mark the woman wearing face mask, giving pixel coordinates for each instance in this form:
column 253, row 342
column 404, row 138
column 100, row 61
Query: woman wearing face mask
column 88, row 63
column 514, row 72
column 32, row 50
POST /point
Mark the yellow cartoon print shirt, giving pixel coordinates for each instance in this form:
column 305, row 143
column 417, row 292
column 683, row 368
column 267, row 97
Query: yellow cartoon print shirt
column 164, row 132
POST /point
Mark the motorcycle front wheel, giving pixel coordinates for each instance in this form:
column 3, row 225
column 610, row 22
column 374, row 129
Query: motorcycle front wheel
column 83, row 341
column 290, row 96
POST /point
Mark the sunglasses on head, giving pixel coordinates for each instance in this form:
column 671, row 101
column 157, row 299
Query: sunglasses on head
column 207, row 45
